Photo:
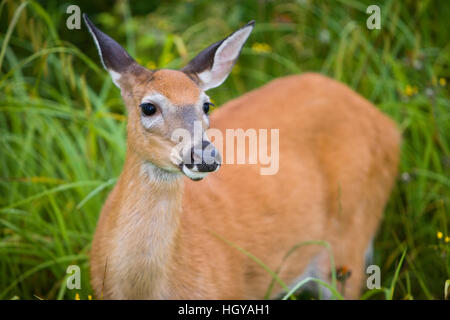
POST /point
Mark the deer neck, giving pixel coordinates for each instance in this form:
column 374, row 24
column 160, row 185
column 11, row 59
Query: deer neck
column 148, row 224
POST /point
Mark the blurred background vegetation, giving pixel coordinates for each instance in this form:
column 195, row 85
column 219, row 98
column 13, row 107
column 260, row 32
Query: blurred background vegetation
column 62, row 122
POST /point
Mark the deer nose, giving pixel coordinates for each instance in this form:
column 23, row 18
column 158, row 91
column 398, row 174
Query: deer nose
column 205, row 158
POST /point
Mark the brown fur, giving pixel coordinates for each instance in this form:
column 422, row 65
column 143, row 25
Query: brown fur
column 176, row 86
column 157, row 237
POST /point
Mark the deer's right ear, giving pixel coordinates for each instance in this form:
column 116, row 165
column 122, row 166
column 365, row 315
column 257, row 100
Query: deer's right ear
column 114, row 58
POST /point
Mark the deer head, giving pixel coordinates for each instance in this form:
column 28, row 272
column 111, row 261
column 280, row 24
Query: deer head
column 162, row 103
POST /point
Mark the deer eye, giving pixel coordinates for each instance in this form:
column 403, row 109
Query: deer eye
column 206, row 107
column 148, row 108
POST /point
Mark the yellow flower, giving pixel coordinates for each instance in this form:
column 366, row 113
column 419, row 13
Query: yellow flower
column 442, row 82
column 261, row 47
column 439, row 235
column 411, row 90
column 150, row 65
column 447, row 239
column 77, row 296
column 89, row 297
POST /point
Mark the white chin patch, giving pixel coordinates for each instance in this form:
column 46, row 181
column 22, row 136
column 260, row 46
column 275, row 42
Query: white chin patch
column 194, row 175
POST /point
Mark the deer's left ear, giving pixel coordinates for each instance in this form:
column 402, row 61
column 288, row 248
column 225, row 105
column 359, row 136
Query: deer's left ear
column 212, row 66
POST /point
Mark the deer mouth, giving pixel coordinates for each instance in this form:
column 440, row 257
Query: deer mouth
column 196, row 174
column 192, row 173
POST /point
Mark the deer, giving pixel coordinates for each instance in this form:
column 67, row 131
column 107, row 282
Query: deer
column 185, row 224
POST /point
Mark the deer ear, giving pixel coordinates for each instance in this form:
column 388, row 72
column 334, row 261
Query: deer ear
column 114, row 58
column 212, row 66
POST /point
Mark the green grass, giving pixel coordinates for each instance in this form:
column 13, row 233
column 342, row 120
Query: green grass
column 62, row 122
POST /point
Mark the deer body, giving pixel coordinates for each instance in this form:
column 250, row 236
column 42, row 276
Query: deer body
column 164, row 236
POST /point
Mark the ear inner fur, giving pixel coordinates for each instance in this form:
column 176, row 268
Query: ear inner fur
column 205, row 60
